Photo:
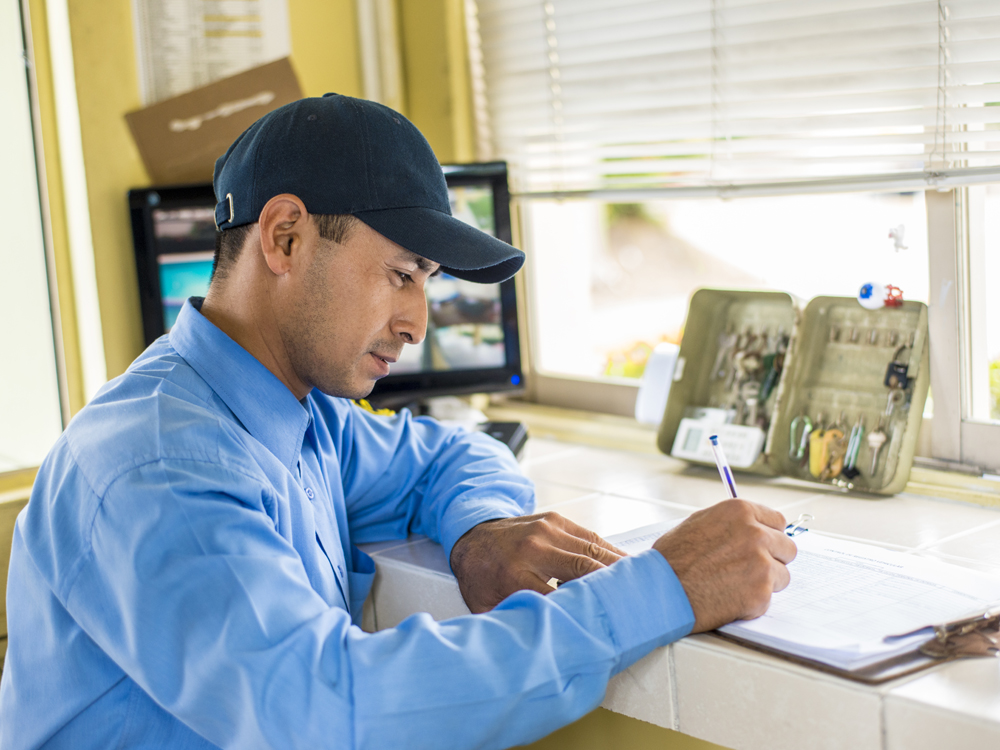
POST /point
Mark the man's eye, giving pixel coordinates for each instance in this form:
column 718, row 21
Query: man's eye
column 404, row 277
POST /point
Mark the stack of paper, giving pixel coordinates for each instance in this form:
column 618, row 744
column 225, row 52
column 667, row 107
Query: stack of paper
column 851, row 605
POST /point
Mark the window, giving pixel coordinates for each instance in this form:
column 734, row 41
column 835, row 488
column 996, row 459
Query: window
column 964, row 268
column 984, row 282
column 625, row 271
column 30, row 416
column 751, row 140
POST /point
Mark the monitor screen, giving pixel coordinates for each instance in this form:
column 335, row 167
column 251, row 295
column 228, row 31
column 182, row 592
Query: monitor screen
column 472, row 341
column 185, row 239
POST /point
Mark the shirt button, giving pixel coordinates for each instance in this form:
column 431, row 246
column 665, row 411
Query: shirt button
column 309, row 493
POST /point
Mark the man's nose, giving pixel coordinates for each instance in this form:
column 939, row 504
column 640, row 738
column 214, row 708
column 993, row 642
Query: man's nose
column 410, row 323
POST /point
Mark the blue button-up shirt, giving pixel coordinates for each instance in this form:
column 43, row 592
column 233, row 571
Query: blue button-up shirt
column 184, row 576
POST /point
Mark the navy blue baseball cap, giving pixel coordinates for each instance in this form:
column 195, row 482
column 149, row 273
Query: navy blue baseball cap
column 341, row 155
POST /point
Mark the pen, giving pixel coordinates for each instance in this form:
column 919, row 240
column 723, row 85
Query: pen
column 724, row 471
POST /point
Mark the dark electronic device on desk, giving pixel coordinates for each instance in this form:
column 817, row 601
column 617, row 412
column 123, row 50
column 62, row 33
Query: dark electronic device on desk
column 472, row 343
column 512, row 434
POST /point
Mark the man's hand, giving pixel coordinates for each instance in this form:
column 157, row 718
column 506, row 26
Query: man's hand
column 497, row 558
column 729, row 558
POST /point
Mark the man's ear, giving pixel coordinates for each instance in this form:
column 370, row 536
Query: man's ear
column 284, row 224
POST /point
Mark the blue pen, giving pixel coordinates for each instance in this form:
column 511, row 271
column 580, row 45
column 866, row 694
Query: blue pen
column 724, row 471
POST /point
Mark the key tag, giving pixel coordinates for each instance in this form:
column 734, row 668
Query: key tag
column 872, row 296
column 835, row 448
column 819, row 448
column 893, row 296
column 897, row 373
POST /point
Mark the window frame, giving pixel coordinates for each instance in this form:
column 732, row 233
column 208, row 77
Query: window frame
column 953, row 437
column 607, row 395
column 43, row 323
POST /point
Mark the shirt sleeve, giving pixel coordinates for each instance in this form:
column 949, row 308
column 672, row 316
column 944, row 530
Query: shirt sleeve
column 191, row 591
column 405, row 475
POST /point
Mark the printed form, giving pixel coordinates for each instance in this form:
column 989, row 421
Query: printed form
column 183, row 44
column 851, row 605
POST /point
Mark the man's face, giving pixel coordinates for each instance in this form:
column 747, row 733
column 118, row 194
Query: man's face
column 353, row 310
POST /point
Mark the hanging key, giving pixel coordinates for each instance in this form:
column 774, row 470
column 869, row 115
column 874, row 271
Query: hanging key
column 735, row 361
column 836, row 449
column 798, row 437
column 727, row 342
column 773, row 367
column 895, row 398
column 751, row 398
column 850, row 470
column 897, row 373
column 875, row 442
column 819, row 451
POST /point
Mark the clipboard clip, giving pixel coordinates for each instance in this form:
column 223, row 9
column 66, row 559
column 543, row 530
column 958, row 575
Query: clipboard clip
column 799, row 525
column 970, row 637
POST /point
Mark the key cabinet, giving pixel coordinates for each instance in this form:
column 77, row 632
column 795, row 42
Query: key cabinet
column 827, row 392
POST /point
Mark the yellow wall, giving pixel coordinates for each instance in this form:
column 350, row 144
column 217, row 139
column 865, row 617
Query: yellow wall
column 107, row 88
column 325, row 57
column 52, row 177
column 436, row 84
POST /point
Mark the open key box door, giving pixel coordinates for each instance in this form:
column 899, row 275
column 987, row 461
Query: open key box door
column 830, row 392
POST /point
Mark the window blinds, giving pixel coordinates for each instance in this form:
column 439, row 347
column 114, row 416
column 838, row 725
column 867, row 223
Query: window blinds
column 739, row 95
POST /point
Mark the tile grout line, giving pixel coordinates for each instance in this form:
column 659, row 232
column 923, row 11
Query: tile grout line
column 402, row 543
column 391, row 562
column 883, row 730
column 958, row 535
column 566, row 485
column 656, row 501
column 674, row 698
column 796, row 503
column 624, row 493
column 589, row 494
column 991, row 568
column 564, row 453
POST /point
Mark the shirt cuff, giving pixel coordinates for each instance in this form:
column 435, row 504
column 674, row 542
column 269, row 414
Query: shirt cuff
column 462, row 516
column 645, row 604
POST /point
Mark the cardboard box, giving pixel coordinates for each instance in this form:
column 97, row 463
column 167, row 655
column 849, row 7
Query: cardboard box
column 180, row 138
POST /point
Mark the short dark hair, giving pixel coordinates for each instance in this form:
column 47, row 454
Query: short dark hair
column 229, row 242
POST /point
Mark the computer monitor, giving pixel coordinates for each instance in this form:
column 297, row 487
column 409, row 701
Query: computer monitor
column 472, row 343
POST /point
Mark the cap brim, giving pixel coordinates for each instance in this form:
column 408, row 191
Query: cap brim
column 462, row 250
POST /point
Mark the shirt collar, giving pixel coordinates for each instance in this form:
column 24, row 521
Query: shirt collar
column 265, row 406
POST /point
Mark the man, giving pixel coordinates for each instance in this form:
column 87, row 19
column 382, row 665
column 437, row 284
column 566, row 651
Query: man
column 185, row 573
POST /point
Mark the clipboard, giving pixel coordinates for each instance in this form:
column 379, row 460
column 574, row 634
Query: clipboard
column 969, row 638
column 966, row 638
column 919, row 647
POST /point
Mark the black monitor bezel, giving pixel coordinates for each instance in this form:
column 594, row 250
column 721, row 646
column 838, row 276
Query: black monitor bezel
column 142, row 202
column 394, row 389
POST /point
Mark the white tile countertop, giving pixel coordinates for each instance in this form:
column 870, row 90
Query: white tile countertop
column 718, row 691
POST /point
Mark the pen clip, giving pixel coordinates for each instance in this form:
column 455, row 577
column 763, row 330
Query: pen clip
column 799, row 525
